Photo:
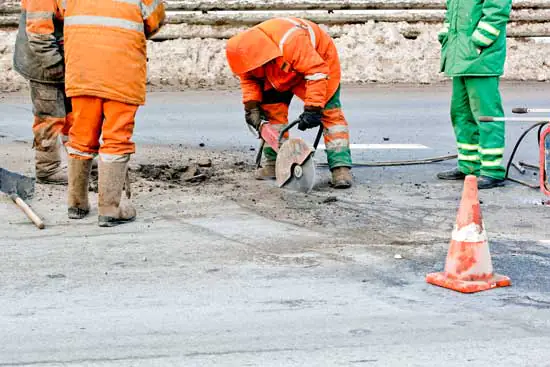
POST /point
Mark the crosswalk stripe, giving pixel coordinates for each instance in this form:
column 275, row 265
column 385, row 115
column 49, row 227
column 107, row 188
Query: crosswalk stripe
column 382, row 146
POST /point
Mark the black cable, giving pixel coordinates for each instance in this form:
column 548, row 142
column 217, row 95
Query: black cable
column 516, row 147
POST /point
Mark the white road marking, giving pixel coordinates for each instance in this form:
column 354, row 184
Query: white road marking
column 382, row 146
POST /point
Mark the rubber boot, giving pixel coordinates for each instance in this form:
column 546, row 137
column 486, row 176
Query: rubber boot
column 267, row 172
column 341, row 178
column 48, row 164
column 111, row 182
column 79, row 177
column 453, row 174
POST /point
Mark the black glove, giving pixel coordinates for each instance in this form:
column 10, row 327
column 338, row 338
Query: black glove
column 311, row 118
column 253, row 114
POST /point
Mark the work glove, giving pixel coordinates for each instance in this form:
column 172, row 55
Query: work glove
column 310, row 118
column 253, row 114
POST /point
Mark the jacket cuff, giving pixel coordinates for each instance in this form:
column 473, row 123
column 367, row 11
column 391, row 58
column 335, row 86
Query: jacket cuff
column 485, row 34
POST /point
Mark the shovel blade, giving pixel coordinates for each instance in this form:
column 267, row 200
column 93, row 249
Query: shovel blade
column 14, row 183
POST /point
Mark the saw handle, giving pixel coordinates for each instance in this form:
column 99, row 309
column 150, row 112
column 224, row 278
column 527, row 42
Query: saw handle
column 286, row 129
column 296, row 122
column 28, row 211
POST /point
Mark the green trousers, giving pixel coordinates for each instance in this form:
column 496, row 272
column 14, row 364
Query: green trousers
column 480, row 144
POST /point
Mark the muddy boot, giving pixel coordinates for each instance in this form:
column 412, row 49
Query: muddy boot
column 111, row 182
column 267, row 172
column 48, row 165
column 341, row 178
column 79, row 176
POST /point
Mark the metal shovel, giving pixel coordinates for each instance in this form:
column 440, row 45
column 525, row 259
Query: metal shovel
column 20, row 188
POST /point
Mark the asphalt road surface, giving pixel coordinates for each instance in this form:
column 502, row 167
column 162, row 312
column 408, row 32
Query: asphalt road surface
column 203, row 280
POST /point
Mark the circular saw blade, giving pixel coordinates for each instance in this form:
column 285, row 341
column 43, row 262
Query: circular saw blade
column 303, row 176
column 295, row 168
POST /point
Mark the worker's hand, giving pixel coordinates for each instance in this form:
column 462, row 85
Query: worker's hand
column 311, row 118
column 253, row 114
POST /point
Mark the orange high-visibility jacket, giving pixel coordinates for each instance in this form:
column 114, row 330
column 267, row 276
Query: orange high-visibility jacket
column 38, row 52
column 286, row 54
column 105, row 47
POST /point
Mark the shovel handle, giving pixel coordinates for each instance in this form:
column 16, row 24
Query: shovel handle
column 28, row 211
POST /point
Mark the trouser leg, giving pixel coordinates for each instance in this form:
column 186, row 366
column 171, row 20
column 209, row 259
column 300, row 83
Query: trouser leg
column 336, row 134
column 85, row 132
column 485, row 100
column 465, row 128
column 49, row 120
column 113, row 165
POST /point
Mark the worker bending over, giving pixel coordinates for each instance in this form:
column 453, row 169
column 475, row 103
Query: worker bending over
column 473, row 54
column 38, row 57
column 283, row 57
column 105, row 43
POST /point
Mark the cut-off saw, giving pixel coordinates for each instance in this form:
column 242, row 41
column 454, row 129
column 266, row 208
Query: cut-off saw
column 295, row 167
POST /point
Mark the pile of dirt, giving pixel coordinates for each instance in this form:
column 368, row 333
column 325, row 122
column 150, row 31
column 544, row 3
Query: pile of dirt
column 175, row 174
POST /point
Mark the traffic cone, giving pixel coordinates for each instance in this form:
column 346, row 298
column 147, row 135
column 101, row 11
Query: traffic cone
column 469, row 268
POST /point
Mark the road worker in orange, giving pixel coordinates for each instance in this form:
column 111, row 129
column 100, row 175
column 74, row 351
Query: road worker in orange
column 38, row 57
column 105, row 47
column 283, row 57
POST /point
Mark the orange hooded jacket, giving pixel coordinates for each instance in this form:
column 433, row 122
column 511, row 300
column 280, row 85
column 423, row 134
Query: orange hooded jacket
column 105, row 47
column 287, row 54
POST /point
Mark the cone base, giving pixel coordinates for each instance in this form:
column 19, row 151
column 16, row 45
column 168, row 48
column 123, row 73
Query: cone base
column 463, row 286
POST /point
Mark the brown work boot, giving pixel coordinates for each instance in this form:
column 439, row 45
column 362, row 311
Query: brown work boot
column 267, row 172
column 79, row 176
column 48, row 164
column 111, row 182
column 341, row 178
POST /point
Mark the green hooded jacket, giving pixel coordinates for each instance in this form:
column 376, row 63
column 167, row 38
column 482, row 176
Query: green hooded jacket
column 473, row 38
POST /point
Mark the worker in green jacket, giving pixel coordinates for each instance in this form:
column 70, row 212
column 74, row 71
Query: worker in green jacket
column 473, row 52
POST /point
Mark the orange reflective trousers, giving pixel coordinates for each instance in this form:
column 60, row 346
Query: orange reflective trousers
column 96, row 118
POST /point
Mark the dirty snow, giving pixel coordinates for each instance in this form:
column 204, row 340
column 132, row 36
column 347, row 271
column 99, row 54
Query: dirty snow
column 372, row 52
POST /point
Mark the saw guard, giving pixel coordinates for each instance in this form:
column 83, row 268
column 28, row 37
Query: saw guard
column 293, row 152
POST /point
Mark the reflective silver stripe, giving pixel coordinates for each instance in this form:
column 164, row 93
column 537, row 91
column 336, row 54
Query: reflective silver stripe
column 489, row 28
column 147, row 10
column 312, row 36
column 104, row 21
column 481, row 38
column 337, row 129
column 73, row 151
column 114, row 158
column 473, row 147
column 64, row 4
column 285, row 37
column 495, row 163
column 133, row 2
column 39, row 15
column 470, row 158
column 316, row 76
column 492, row 151
column 305, row 26
column 337, row 144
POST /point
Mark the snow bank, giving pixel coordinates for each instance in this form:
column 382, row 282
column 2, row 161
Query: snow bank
column 372, row 52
